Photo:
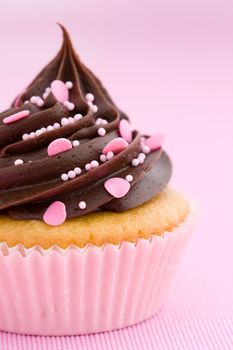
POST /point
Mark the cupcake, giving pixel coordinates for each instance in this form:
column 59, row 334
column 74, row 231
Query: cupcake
column 90, row 232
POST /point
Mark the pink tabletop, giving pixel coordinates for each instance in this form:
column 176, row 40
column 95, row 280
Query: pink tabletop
column 169, row 65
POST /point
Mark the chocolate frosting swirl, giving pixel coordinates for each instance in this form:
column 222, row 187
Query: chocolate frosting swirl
column 29, row 186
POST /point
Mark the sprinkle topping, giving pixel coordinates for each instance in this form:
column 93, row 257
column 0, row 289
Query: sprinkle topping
column 125, row 130
column 155, row 141
column 117, row 187
column 101, row 131
column 116, row 145
column 55, row 214
column 60, row 91
column 15, row 117
column 18, row 162
column 59, row 146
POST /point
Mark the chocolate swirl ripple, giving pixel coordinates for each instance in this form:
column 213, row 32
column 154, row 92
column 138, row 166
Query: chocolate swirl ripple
column 67, row 150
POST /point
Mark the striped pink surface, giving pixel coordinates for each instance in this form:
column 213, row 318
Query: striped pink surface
column 198, row 315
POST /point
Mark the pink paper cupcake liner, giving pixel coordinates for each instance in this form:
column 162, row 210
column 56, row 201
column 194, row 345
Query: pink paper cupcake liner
column 93, row 289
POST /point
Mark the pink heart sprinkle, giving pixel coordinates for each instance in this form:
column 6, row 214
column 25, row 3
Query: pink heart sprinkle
column 117, row 187
column 60, row 91
column 58, row 146
column 55, row 214
column 155, row 141
column 16, row 103
column 125, row 130
column 116, row 145
column 15, row 117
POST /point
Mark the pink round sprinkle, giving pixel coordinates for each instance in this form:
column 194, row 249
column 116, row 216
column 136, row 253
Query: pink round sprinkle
column 71, row 174
column 117, row 187
column 129, row 178
column 64, row 177
column 146, row 149
column 55, row 214
column 90, row 97
column 82, row 205
column 110, row 155
column 15, row 117
column 77, row 170
column 88, row 166
column 155, row 141
column 59, row 146
column 18, row 162
column 60, row 91
column 103, row 158
column 94, row 164
column 135, row 162
column 125, row 130
column 116, row 145
column 69, row 84
column 101, row 131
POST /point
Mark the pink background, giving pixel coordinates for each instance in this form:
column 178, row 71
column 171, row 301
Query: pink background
column 169, row 65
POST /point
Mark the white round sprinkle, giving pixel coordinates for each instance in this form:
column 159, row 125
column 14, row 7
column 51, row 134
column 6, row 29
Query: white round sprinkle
column 49, row 128
column 77, row 170
column 45, row 95
column 25, row 137
column 69, row 84
column 43, row 130
column 64, row 177
column 78, row 116
column 40, row 102
column 142, row 155
column 110, row 155
column 94, row 109
column 104, row 122
column 90, row 104
column 70, row 106
column 135, row 162
column 38, row 132
column 98, row 121
column 48, row 90
column 82, row 205
column 90, row 97
column 71, row 174
column 94, row 164
column 26, row 102
column 71, row 120
column 101, row 131
column 64, row 121
column 75, row 143
column 103, row 158
column 33, row 99
column 141, row 160
column 129, row 178
column 32, row 134
column 18, row 162
column 146, row 149
column 88, row 166
column 56, row 125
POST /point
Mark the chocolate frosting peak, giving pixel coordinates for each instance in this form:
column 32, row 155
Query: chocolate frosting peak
column 64, row 141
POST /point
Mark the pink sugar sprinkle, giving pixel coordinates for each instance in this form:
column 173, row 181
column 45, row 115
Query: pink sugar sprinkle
column 15, row 117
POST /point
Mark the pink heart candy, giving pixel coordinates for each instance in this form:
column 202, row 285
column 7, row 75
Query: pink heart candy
column 15, row 117
column 16, row 103
column 155, row 141
column 116, row 145
column 55, row 214
column 60, row 91
column 58, row 146
column 117, row 187
column 125, row 130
